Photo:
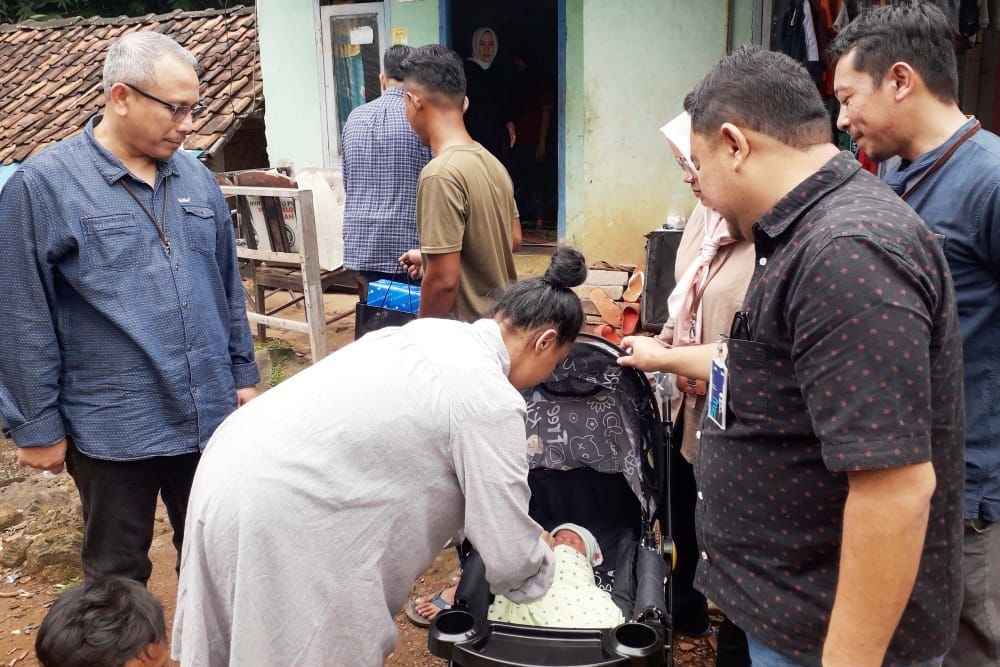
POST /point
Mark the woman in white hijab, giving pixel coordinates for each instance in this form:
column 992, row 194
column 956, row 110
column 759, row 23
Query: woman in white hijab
column 712, row 272
column 488, row 117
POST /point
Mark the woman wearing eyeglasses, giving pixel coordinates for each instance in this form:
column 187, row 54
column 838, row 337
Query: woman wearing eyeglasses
column 712, row 271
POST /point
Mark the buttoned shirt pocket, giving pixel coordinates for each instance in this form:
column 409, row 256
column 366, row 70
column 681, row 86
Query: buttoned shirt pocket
column 199, row 225
column 111, row 241
column 748, row 381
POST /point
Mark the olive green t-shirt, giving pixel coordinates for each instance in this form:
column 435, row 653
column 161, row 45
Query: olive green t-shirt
column 465, row 203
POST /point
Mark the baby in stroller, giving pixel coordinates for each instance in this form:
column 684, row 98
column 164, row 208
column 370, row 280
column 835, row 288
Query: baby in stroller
column 574, row 600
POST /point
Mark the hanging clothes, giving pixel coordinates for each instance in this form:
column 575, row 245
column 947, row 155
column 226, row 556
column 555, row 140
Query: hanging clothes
column 793, row 36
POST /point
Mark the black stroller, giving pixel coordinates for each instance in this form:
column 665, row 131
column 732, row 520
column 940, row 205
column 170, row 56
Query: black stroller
column 597, row 457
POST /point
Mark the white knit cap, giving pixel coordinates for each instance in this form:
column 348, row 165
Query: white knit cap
column 594, row 554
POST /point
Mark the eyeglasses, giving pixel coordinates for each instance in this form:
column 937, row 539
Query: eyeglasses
column 683, row 164
column 178, row 112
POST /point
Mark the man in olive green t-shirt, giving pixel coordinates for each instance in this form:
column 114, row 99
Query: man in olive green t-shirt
column 467, row 220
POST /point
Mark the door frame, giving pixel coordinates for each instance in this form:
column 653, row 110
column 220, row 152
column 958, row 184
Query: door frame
column 444, row 18
column 328, row 96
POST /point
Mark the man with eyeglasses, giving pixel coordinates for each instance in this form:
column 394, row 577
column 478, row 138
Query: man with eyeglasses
column 123, row 315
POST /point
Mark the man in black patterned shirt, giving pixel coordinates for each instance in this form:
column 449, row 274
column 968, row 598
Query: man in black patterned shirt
column 830, row 510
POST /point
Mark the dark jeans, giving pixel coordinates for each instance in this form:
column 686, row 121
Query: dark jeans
column 119, row 505
column 978, row 641
column 765, row 656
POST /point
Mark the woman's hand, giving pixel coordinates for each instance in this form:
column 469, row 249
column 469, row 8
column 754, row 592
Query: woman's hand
column 643, row 353
column 548, row 539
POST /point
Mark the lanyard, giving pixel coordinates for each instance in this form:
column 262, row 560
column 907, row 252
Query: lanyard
column 938, row 163
column 160, row 229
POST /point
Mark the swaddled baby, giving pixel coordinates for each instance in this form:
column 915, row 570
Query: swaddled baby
column 574, row 600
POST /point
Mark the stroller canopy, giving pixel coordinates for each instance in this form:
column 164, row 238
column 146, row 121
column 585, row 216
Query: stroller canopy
column 593, row 413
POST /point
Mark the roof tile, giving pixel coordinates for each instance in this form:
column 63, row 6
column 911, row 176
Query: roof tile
column 53, row 85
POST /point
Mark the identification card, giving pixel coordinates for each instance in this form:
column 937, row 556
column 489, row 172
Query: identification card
column 717, row 386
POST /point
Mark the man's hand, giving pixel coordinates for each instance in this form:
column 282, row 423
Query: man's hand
column 540, row 152
column 245, row 395
column 50, row 458
column 412, row 263
column 643, row 353
column 511, row 133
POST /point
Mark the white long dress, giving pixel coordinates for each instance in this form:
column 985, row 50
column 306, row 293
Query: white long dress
column 317, row 505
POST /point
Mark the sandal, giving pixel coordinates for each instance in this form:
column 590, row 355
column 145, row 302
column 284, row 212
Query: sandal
column 609, row 310
column 419, row 619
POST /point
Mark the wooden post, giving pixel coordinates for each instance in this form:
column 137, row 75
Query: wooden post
column 308, row 261
column 313, row 289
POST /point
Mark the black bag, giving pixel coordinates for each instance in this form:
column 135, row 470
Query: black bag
column 368, row 318
column 661, row 255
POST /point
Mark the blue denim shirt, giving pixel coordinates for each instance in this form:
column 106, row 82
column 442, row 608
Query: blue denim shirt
column 129, row 352
column 961, row 202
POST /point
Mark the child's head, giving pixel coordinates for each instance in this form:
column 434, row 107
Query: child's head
column 580, row 539
column 111, row 622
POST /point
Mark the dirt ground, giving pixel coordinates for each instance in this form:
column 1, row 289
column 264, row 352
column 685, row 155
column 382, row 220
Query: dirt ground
column 41, row 524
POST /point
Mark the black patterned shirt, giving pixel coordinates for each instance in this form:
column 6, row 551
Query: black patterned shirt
column 852, row 361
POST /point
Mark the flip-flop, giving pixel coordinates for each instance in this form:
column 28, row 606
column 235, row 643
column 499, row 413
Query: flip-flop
column 609, row 310
column 634, row 289
column 608, row 333
column 630, row 318
column 422, row 621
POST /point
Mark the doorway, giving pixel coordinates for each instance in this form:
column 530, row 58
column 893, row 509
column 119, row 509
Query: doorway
column 524, row 81
column 354, row 37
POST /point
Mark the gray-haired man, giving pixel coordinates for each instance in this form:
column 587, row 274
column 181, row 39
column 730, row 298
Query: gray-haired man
column 122, row 309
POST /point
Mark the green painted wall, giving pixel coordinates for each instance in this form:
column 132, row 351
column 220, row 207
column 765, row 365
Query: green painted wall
column 628, row 67
column 741, row 13
column 419, row 18
column 292, row 81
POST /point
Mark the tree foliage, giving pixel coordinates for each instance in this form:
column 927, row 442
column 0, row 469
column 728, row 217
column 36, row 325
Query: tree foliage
column 13, row 11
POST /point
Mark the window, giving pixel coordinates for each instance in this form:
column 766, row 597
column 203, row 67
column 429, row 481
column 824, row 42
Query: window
column 353, row 42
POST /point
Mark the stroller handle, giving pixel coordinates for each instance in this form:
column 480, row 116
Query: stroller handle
column 456, row 636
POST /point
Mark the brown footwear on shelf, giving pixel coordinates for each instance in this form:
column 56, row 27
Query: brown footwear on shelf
column 634, row 289
column 608, row 333
column 630, row 318
column 608, row 309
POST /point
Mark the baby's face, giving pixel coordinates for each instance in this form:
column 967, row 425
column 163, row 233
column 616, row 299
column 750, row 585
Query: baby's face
column 570, row 539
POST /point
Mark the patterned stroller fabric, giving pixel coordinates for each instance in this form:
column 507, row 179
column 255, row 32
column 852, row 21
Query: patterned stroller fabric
column 593, row 413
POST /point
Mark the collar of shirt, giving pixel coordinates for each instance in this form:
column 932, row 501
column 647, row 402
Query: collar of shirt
column 108, row 164
column 899, row 177
column 489, row 332
column 393, row 91
column 791, row 207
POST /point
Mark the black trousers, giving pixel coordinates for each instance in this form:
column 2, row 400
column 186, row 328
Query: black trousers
column 119, row 506
column 689, row 607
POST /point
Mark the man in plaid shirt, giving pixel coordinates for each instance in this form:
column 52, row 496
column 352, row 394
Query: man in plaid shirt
column 382, row 162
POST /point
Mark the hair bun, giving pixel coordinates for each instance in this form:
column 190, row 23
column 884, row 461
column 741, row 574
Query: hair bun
column 567, row 269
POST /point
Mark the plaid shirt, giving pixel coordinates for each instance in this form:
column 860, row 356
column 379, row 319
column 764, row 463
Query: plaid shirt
column 382, row 162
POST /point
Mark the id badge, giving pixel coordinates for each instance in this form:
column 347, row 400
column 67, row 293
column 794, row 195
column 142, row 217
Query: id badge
column 717, row 386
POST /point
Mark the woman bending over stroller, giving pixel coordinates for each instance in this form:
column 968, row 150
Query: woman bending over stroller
column 317, row 505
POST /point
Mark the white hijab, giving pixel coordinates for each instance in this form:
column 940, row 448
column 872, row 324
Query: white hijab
column 475, row 57
column 684, row 303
